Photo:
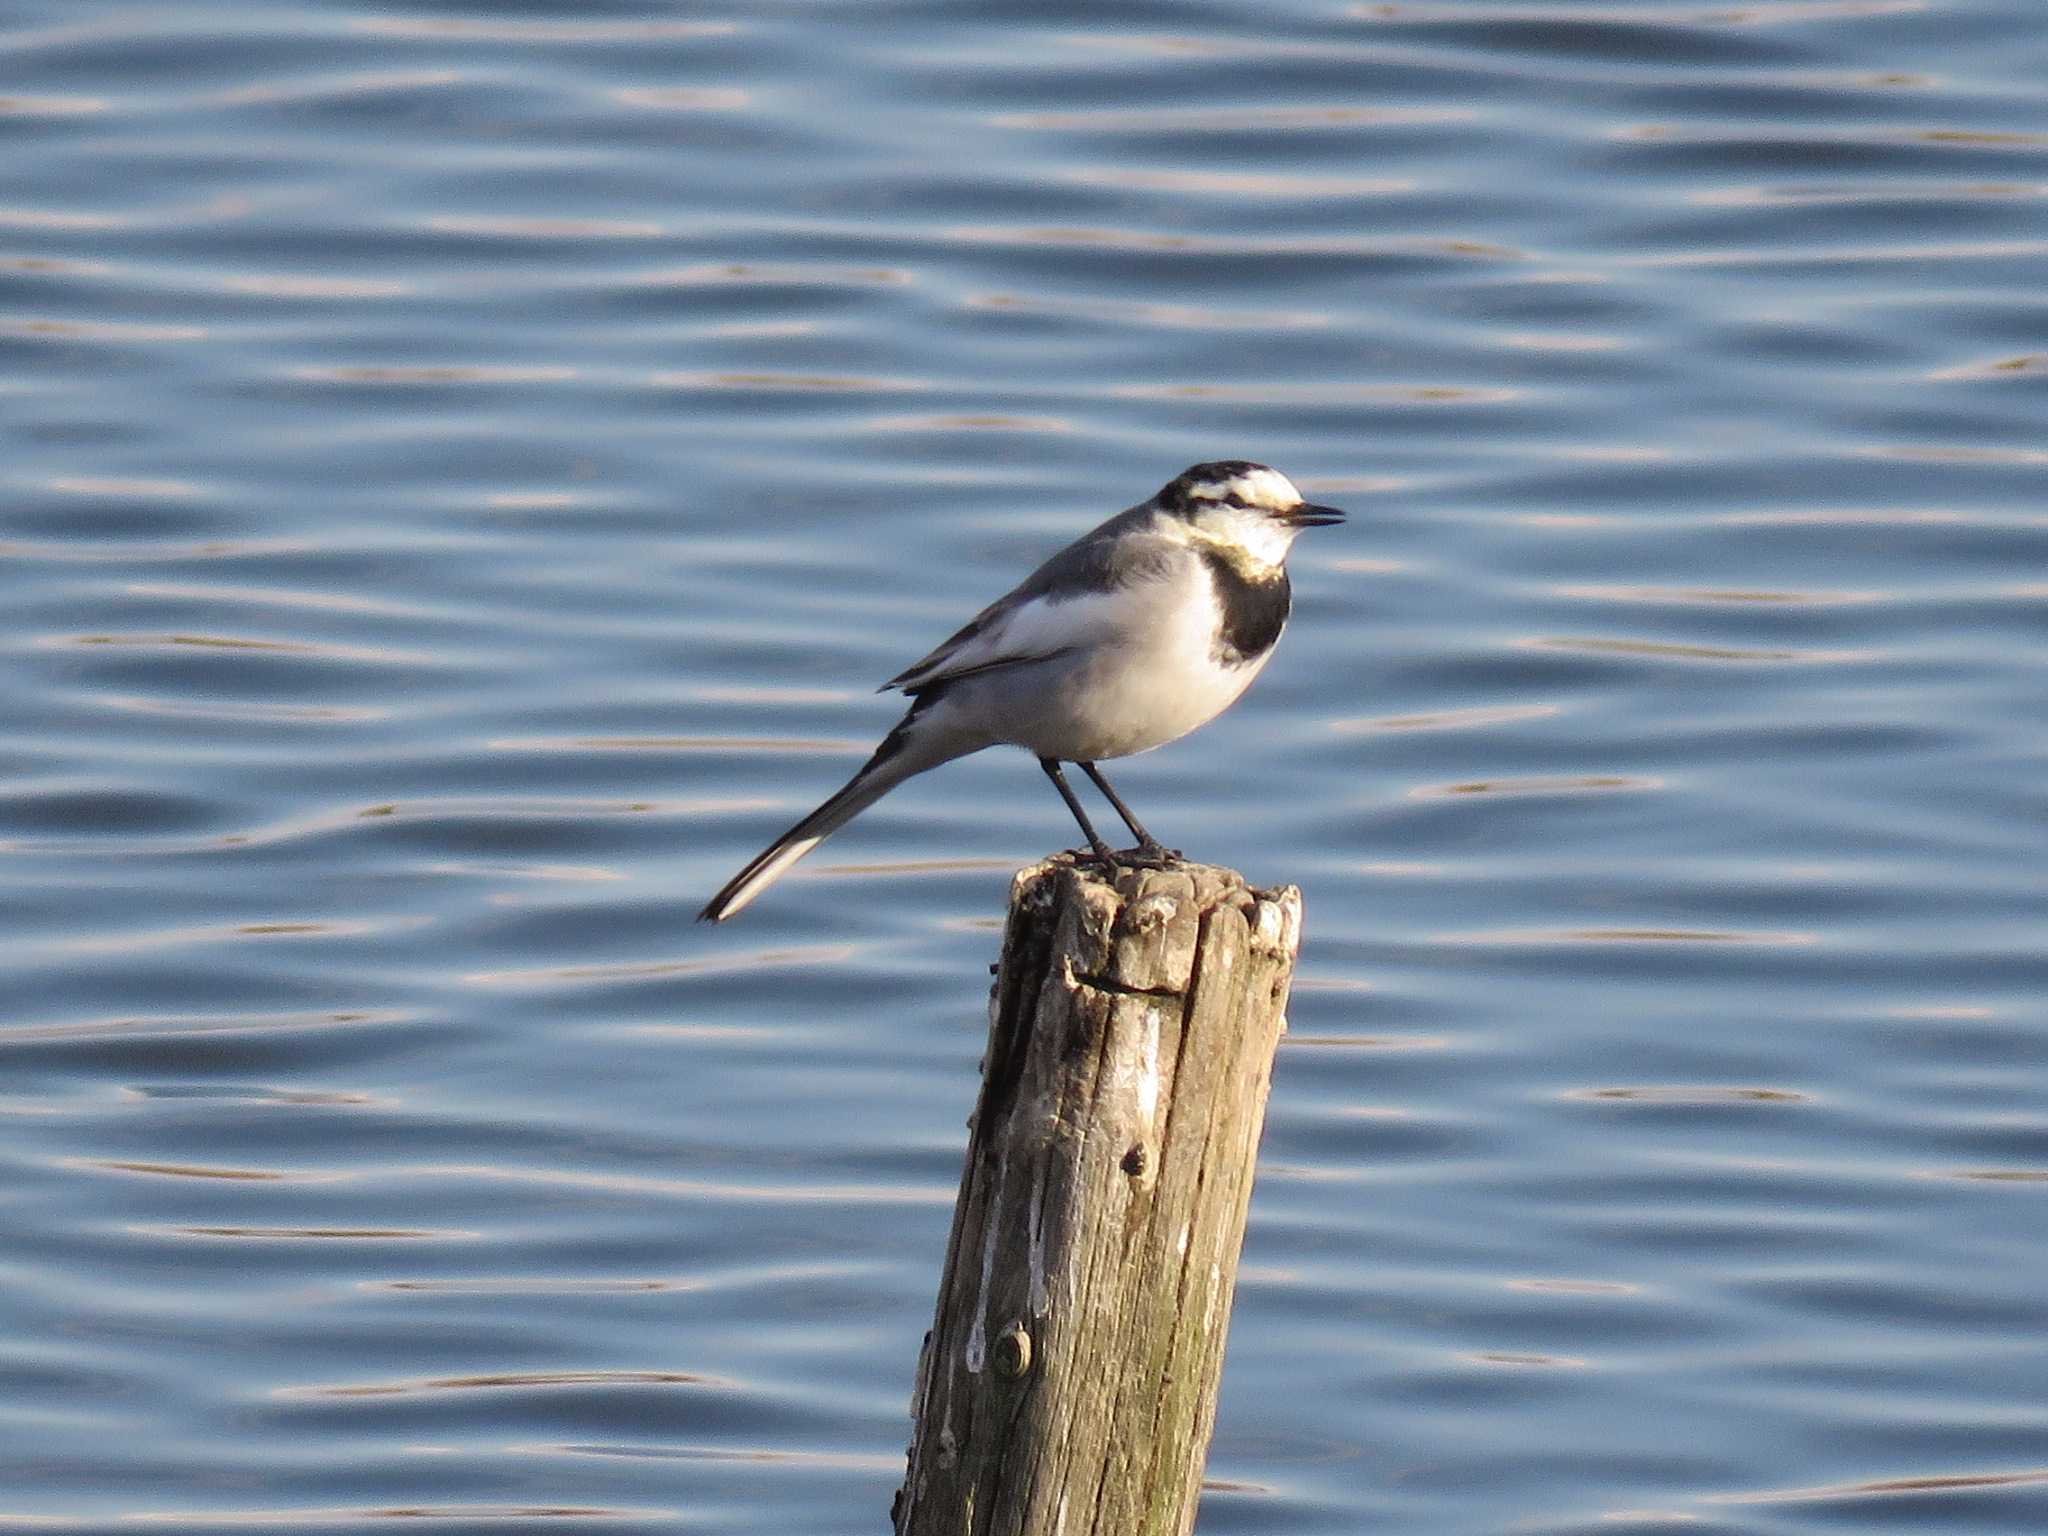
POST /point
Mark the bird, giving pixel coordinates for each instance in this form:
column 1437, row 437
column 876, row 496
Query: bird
column 1135, row 634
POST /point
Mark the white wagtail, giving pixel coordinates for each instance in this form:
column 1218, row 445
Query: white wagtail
column 1127, row 639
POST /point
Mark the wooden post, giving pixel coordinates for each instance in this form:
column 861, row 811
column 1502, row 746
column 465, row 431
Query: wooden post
column 1068, row 1386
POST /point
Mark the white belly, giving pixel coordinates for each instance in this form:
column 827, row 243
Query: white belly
column 1153, row 682
column 1115, row 709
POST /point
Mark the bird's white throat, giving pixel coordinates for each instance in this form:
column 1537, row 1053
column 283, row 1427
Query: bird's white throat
column 1248, row 538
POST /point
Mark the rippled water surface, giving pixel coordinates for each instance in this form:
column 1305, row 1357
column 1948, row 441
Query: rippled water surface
column 467, row 465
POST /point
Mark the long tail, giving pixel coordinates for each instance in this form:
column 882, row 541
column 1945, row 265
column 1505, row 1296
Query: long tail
column 918, row 742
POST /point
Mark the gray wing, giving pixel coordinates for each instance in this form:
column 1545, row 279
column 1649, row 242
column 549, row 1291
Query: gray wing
column 1060, row 606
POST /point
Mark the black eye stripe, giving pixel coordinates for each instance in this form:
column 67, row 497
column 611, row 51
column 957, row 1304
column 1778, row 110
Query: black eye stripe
column 1221, row 483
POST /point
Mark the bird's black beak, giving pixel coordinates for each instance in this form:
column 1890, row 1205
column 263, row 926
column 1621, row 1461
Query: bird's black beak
column 1309, row 515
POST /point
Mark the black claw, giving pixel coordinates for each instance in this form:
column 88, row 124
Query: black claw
column 1104, row 857
column 1148, row 856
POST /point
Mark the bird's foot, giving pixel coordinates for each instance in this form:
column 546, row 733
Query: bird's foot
column 1147, row 855
column 1144, row 856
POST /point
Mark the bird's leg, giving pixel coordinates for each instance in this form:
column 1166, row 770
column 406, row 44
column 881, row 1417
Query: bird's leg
column 1148, row 850
column 1101, row 850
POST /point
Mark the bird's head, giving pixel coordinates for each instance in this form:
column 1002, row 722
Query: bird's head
column 1246, row 508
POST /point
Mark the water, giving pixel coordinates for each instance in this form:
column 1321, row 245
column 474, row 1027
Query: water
column 467, row 466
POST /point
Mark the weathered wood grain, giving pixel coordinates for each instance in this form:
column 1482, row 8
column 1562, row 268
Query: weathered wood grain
column 1069, row 1382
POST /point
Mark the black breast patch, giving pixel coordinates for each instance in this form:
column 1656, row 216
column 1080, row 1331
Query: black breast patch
column 1253, row 608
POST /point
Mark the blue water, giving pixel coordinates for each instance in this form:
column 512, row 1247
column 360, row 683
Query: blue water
column 467, row 466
